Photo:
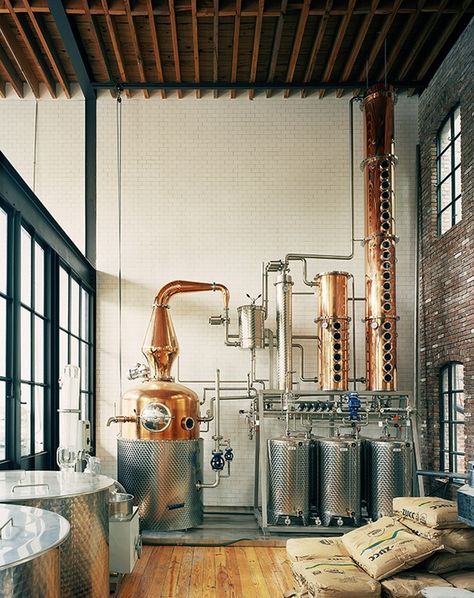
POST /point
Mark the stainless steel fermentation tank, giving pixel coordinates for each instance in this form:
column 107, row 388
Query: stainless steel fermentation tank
column 389, row 471
column 159, row 451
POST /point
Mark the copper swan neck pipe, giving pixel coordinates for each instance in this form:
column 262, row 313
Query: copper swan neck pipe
column 185, row 286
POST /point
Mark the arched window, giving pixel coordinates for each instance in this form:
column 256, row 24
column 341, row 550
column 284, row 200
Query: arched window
column 452, row 417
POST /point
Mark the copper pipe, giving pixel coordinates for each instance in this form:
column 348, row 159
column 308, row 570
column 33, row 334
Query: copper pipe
column 121, row 419
column 378, row 167
column 160, row 346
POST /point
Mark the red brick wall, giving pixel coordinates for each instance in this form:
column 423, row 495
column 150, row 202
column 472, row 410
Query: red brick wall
column 446, row 262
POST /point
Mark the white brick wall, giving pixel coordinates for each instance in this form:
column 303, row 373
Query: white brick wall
column 210, row 190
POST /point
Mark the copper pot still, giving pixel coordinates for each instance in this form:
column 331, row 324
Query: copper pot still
column 381, row 311
column 160, row 409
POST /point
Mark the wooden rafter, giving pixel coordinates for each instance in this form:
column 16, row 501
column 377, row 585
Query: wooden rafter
column 256, row 46
column 136, row 46
column 115, row 43
column 174, row 39
column 337, row 44
column 15, row 80
column 235, row 45
column 34, row 53
column 429, row 26
column 276, row 45
column 195, row 30
column 99, row 43
column 156, row 46
column 16, row 51
column 3, row 90
column 317, row 45
column 48, row 48
column 215, row 46
column 357, row 45
column 295, row 52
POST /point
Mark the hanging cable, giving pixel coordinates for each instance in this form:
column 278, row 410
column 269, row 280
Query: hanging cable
column 119, row 212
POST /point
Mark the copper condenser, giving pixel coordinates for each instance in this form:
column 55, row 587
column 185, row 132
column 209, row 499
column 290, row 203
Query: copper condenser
column 159, row 450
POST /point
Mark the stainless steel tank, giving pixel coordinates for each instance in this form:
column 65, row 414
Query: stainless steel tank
column 339, row 480
column 389, row 474
column 289, row 478
column 29, row 555
column 251, row 326
column 82, row 499
column 162, row 475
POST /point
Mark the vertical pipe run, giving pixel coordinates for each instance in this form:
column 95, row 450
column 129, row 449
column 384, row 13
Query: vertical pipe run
column 378, row 167
column 284, row 331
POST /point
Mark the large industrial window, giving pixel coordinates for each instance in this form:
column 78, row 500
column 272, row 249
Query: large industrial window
column 46, row 322
column 448, row 169
column 452, row 417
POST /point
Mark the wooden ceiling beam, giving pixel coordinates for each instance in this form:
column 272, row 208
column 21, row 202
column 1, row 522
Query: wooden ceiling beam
column 215, row 46
column 235, row 46
column 99, row 43
column 16, row 51
column 195, row 31
column 317, row 45
column 156, row 46
column 357, row 45
column 3, row 89
column 48, row 48
column 295, row 52
column 136, row 46
column 33, row 52
column 256, row 46
column 174, row 40
column 15, row 80
column 112, row 31
column 276, row 45
column 337, row 44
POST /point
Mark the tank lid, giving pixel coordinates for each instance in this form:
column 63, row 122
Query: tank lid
column 27, row 533
column 20, row 485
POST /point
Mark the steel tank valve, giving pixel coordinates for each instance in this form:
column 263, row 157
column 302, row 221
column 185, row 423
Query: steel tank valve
column 229, row 454
column 217, row 461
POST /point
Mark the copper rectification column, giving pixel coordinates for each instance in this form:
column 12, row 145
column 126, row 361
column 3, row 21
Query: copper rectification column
column 381, row 311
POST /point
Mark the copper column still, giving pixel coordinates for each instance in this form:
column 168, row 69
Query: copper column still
column 333, row 330
column 381, row 312
column 159, row 451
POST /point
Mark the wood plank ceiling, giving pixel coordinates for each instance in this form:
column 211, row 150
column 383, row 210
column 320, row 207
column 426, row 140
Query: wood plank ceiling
column 290, row 46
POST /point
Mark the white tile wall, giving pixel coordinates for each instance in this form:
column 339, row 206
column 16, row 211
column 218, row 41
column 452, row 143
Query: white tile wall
column 210, row 190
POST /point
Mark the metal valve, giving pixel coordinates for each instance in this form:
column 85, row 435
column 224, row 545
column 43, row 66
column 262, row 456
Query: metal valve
column 217, row 320
column 229, row 454
column 217, row 461
column 139, row 371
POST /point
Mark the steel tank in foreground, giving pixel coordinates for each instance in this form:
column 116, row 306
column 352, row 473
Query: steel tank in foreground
column 289, row 478
column 340, row 480
column 82, row 499
column 389, row 464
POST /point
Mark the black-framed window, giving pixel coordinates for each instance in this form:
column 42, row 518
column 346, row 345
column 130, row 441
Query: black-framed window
column 448, row 172
column 452, row 431
column 5, row 299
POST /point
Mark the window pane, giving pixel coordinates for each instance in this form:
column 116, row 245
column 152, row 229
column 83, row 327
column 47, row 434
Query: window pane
column 2, row 421
column 445, row 135
column 3, row 336
column 445, row 165
column 39, row 419
column 63, row 298
column 39, row 279
column 459, row 464
column 457, row 151
column 459, row 436
column 445, row 379
column 39, row 350
column 445, row 193
column 84, row 366
column 85, row 315
column 25, row 267
column 458, row 405
column 446, row 221
column 445, row 414
column 457, row 182
column 74, row 307
column 458, row 210
column 74, row 360
column 3, row 250
column 446, row 436
column 63, row 350
column 458, row 376
column 25, row 420
column 25, row 344
column 457, row 120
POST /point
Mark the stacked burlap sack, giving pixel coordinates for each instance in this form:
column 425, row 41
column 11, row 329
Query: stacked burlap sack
column 378, row 559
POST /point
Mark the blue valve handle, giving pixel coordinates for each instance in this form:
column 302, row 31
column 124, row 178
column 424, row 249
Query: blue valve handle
column 353, row 402
column 229, row 454
column 217, row 461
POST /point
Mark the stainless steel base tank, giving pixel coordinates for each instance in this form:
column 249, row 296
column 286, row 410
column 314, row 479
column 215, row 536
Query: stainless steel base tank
column 82, row 499
column 289, row 478
column 339, row 480
column 162, row 475
column 29, row 554
column 389, row 474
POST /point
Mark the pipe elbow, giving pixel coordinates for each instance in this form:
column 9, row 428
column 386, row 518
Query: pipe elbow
column 111, row 420
column 121, row 419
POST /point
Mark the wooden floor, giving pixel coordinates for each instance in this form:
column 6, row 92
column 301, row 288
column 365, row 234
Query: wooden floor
column 197, row 572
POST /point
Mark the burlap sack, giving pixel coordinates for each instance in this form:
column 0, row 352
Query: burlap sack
column 305, row 549
column 410, row 583
column 459, row 540
column 336, row 577
column 464, row 580
column 431, row 511
column 445, row 562
column 386, row 547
